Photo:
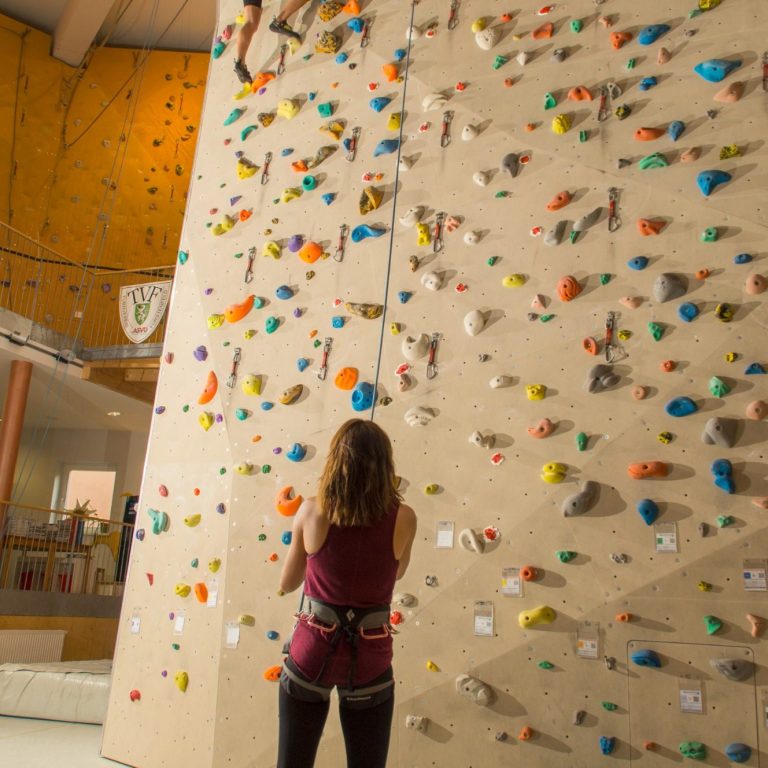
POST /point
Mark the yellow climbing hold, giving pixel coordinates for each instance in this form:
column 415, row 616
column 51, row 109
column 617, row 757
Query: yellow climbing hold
column 294, row 45
column 245, row 168
column 249, row 334
column 247, row 620
column 432, row 667
column 554, row 472
column 182, row 590
column 513, row 281
column 561, row 124
column 244, row 468
column 223, row 226
column 395, row 119
column 215, row 321
column 205, row 420
column 394, row 328
column 431, row 489
column 541, row 615
column 251, row 384
column 182, row 681
column 291, row 193
column 478, row 25
column 624, row 335
column 292, row 394
column 214, row 565
column 287, row 108
column 334, row 130
column 271, row 248
column 535, row 391
column 370, row 200
column 192, row 520
column 423, row 237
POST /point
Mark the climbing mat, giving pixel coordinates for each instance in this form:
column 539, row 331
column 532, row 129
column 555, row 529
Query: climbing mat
column 529, row 242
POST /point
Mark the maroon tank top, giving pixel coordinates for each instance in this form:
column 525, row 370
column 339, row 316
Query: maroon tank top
column 354, row 567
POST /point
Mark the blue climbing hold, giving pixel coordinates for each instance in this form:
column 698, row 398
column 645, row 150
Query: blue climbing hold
column 285, row 151
column 220, row 508
column 241, row 414
column 638, row 263
column 386, row 147
column 648, row 510
column 297, row 452
column 722, row 470
column 302, row 364
column 646, row 658
column 357, row 24
column 607, row 743
column 267, row 406
column 652, row 33
column 329, row 197
column 272, row 635
column 715, row 70
column 342, row 57
column 183, row 257
column 681, row 406
column 362, row 396
column 742, row 258
column 286, row 537
column 737, row 752
column 708, row 180
column 687, row 311
column 258, row 302
column 312, row 95
column 403, row 296
column 337, row 321
column 284, row 292
column 364, row 230
column 647, row 83
column 347, row 143
column 754, row 368
column 400, row 54
column 675, row 129
column 379, row 103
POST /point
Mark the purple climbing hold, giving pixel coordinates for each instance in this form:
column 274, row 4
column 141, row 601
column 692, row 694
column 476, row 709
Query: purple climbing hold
column 200, row 353
column 295, row 243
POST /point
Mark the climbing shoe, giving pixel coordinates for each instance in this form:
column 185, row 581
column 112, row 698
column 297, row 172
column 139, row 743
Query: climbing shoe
column 243, row 75
column 282, row 27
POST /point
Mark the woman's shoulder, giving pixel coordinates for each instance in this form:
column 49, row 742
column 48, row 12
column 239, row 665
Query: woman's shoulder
column 406, row 515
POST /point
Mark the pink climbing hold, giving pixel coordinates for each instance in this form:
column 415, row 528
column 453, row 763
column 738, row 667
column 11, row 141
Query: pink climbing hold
column 543, row 429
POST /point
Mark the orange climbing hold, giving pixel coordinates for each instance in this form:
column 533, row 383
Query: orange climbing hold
column 299, row 166
column 245, row 214
column 648, row 227
column 579, row 93
column 284, row 504
column 211, row 387
column 201, row 592
column 346, row 378
column 644, row 469
column 702, row 274
column 668, row 366
column 235, row 312
column 618, row 39
column 568, row 288
column 590, row 346
column 530, row 127
column 310, row 252
column 649, row 134
column 624, row 617
column 391, row 72
column 273, row 673
column 526, row 733
column 352, row 7
column 260, row 80
column 543, row 429
column 527, row 573
column 544, row 32
column 560, row 200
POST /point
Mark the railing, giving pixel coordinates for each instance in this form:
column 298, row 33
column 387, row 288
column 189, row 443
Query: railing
column 50, row 550
column 76, row 304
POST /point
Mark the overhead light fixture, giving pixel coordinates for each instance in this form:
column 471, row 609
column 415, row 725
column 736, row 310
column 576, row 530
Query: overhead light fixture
column 113, row 413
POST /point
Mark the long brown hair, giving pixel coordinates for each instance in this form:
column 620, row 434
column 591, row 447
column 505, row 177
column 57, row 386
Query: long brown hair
column 357, row 486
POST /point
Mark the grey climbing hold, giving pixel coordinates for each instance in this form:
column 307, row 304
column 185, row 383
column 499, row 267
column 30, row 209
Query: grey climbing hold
column 578, row 503
column 601, row 377
column 477, row 438
column 554, row 236
column 721, row 431
column 417, row 722
column 404, row 599
column 669, row 286
column 737, row 670
column 585, row 222
column 578, row 717
column 510, row 164
column 481, row 693
column 413, row 349
column 481, row 178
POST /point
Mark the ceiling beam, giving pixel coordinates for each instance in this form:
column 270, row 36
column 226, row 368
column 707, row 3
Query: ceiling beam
column 76, row 29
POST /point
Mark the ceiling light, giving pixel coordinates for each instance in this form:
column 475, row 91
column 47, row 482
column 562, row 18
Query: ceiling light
column 113, row 413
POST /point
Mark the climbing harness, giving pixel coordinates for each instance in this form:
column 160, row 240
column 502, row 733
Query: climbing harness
column 614, row 222
column 453, row 17
column 265, row 172
column 437, row 240
column 343, row 231
column 352, row 151
column 249, row 269
column 321, row 374
column 431, row 365
column 445, row 133
column 233, row 373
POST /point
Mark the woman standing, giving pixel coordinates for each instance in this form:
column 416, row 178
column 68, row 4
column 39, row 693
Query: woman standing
column 350, row 544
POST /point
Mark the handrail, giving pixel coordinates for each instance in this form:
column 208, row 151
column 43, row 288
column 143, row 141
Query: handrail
column 69, row 512
column 41, row 245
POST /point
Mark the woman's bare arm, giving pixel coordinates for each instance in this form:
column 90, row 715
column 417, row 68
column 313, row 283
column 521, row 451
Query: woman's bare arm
column 295, row 565
column 405, row 532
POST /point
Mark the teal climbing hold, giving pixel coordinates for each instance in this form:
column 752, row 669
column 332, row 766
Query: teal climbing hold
column 656, row 160
column 247, row 131
column 235, row 114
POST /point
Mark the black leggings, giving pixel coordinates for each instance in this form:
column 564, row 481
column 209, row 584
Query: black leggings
column 366, row 731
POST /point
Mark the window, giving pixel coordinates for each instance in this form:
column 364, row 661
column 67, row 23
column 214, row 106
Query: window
column 94, row 486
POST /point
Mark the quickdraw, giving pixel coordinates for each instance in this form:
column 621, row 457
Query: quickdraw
column 249, row 269
column 265, row 172
column 431, row 365
column 281, row 62
column 352, row 151
column 437, row 240
column 614, row 221
column 445, row 132
column 343, row 231
column 323, row 372
column 231, row 381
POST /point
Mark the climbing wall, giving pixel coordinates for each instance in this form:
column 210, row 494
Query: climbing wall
column 540, row 268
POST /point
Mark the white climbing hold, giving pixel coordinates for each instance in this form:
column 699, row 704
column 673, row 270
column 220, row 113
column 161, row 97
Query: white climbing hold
column 487, row 38
column 522, row 58
column 477, row 438
column 469, row 132
column 418, row 416
column 472, row 237
column 497, row 382
column 433, row 102
column 404, row 599
column 412, row 216
column 413, row 33
column 481, row 693
column 413, row 349
column 404, row 163
column 474, row 322
column 470, row 541
column 481, row 178
column 432, row 281
column 417, row 722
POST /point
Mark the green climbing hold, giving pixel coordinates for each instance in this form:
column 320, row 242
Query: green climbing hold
column 576, row 26
column 325, row 109
column 502, row 193
column 491, row 260
column 266, row 469
column 723, row 521
column 581, row 441
column 262, row 537
column 241, row 414
column 565, row 555
column 694, row 750
column 712, row 624
column 656, row 330
column 718, row 387
column 609, row 706
column 175, row 646
column 195, row 562
column 316, row 343
column 238, row 255
column 247, row 131
column 549, row 101
column 546, row 665
column 583, row 136
column 709, row 235
column 234, row 115
column 631, row 64
column 222, row 470
column 499, row 62
column 184, row 408
column 545, row 318
column 605, row 278
column 656, row 160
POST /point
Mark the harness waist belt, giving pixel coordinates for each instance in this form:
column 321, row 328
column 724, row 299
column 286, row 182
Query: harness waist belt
column 357, row 618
